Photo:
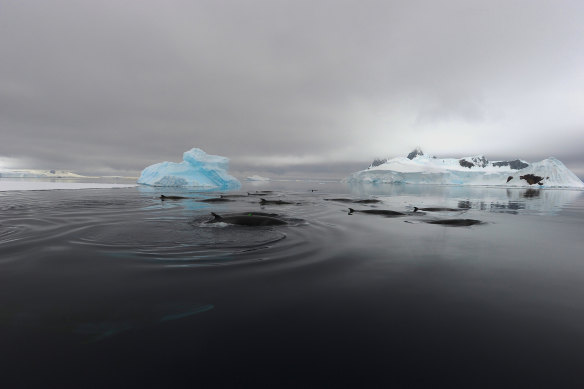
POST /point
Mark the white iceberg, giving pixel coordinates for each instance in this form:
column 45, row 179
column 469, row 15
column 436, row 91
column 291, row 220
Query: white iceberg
column 198, row 169
column 418, row 168
column 257, row 178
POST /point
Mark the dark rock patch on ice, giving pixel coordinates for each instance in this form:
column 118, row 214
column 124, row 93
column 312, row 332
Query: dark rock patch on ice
column 531, row 179
column 515, row 164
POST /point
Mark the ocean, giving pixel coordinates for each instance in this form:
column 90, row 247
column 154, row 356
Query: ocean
column 117, row 288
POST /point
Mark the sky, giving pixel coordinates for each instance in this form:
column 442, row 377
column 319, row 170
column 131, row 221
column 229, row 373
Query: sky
column 288, row 88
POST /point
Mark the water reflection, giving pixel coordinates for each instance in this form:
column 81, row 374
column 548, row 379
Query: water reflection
column 191, row 201
column 508, row 200
column 529, row 193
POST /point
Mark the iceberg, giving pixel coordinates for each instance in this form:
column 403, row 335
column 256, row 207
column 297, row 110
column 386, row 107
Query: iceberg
column 198, row 169
column 418, row 168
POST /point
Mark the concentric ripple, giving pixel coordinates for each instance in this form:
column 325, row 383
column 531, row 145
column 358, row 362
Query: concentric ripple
column 178, row 240
column 10, row 234
column 138, row 228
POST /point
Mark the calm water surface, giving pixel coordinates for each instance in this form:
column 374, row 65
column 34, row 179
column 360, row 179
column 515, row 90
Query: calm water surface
column 115, row 288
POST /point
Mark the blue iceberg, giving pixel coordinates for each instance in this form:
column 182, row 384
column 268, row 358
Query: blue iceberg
column 198, row 169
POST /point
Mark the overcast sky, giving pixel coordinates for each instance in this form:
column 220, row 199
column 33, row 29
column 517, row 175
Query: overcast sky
column 288, row 87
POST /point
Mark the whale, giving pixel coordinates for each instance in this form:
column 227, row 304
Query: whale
column 381, row 212
column 455, row 222
column 260, row 193
column 163, row 197
column 366, row 201
column 274, row 202
column 341, row 200
column 253, row 213
column 438, row 209
column 247, row 220
column 215, row 200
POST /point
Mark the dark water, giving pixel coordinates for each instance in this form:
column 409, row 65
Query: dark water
column 115, row 288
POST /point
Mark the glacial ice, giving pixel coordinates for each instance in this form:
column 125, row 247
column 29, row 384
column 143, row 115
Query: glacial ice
column 198, row 169
column 477, row 170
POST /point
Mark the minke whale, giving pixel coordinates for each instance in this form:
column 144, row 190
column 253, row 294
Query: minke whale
column 438, row 209
column 274, row 202
column 455, row 222
column 382, row 212
column 260, row 193
column 366, row 201
column 247, row 220
column 163, row 197
column 215, row 200
column 252, row 213
column 228, row 196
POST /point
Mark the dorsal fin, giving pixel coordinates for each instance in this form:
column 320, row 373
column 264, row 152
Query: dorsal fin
column 216, row 216
column 351, row 210
column 263, row 201
column 416, row 209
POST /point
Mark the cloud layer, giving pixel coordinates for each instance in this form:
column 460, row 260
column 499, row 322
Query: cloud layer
column 288, row 86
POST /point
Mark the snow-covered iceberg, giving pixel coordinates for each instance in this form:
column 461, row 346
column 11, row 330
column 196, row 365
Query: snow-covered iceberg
column 198, row 169
column 418, row 168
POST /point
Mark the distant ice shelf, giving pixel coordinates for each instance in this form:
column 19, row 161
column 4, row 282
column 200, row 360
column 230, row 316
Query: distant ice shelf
column 257, row 178
column 198, row 169
column 37, row 173
column 418, row 168
column 11, row 185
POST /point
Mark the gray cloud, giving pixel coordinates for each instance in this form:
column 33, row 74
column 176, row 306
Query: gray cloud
column 288, row 86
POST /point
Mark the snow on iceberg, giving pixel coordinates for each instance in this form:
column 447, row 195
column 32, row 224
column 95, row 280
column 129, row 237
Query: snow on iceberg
column 418, row 168
column 198, row 169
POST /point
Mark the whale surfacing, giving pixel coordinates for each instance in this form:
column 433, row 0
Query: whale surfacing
column 455, row 222
column 439, row 209
column 345, row 200
column 273, row 202
column 381, row 212
column 247, row 220
column 215, row 200
column 163, row 197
